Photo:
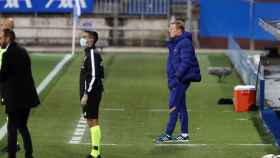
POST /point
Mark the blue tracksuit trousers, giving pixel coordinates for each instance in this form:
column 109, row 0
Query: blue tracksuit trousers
column 177, row 100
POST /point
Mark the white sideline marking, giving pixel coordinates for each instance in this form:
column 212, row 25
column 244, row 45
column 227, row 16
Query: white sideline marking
column 242, row 119
column 81, row 127
column 112, row 144
column 82, row 122
column 228, row 111
column 113, row 109
column 53, row 73
column 197, row 145
column 46, row 55
column 181, row 144
column 249, row 144
column 188, row 110
column 42, row 86
column 189, row 145
column 74, row 142
column 158, row 110
column 76, row 138
column 79, row 131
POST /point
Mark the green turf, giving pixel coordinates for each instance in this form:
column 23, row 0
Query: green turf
column 42, row 64
column 137, row 84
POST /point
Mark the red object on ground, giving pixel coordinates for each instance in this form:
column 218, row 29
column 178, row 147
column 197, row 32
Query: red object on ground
column 244, row 97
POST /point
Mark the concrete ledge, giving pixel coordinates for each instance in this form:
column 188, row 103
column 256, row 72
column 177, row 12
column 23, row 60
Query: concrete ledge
column 65, row 49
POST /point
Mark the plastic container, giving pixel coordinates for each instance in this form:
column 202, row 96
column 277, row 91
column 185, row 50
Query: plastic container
column 244, row 97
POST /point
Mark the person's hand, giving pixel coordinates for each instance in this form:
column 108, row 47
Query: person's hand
column 84, row 100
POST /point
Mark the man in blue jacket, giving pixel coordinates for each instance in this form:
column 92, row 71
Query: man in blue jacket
column 182, row 69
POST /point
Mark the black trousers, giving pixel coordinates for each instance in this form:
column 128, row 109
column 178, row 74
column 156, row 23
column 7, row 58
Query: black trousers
column 17, row 121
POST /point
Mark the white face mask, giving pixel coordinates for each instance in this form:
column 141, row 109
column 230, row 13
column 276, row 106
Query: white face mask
column 83, row 42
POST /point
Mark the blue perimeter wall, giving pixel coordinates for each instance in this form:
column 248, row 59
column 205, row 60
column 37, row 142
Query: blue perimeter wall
column 221, row 18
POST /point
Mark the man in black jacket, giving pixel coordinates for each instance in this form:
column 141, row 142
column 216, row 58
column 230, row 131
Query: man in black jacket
column 91, row 88
column 19, row 92
column 8, row 23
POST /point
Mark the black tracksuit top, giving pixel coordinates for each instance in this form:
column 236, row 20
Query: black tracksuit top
column 92, row 73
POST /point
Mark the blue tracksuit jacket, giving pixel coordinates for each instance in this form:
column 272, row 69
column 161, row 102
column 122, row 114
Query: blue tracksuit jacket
column 182, row 64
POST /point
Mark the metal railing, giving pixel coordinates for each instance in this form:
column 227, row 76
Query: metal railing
column 132, row 7
column 242, row 63
column 272, row 27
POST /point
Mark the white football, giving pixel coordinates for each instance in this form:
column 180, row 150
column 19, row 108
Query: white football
column 268, row 156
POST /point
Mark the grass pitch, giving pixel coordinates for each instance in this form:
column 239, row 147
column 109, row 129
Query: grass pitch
column 134, row 111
